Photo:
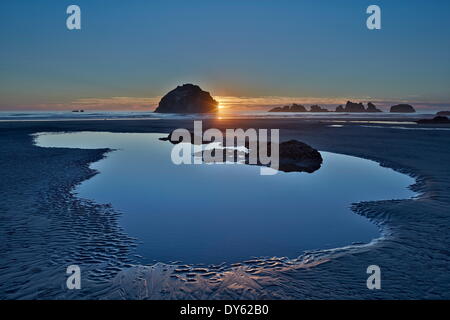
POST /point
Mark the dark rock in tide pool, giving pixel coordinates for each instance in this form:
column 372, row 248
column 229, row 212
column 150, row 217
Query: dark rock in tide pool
column 402, row 108
column 435, row 120
column 187, row 98
column 192, row 139
column 296, row 156
column 443, row 113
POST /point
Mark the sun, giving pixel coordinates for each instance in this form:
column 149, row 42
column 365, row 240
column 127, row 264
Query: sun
column 220, row 106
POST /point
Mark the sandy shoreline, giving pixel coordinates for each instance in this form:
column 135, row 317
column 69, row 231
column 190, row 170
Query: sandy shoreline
column 37, row 205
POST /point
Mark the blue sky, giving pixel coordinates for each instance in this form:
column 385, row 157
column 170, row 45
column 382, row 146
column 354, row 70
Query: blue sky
column 135, row 51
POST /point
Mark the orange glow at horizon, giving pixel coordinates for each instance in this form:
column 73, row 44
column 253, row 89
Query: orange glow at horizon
column 226, row 104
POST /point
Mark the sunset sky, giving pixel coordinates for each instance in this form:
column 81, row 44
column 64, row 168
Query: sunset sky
column 247, row 53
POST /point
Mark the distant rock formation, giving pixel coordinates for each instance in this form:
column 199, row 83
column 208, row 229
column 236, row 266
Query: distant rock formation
column 443, row 113
column 357, row 107
column 340, row 109
column 354, row 107
column 280, row 109
column 435, row 120
column 297, row 108
column 293, row 108
column 187, row 98
column 403, row 108
column 316, row 108
column 349, row 107
column 372, row 108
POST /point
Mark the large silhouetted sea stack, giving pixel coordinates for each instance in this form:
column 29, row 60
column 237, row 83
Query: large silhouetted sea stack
column 403, row 108
column 187, row 98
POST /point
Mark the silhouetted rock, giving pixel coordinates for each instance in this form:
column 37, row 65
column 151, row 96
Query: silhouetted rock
column 276, row 109
column 357, row 107
column 296, row 156
column 372, row 108
column 443, row 113
column 297, row 108
column 316, row 108
column 354, row 107
column 403, row 108
column 192, row 139
column 339, row 109
column 294, row 108
column 435, row 120
column 187, row 98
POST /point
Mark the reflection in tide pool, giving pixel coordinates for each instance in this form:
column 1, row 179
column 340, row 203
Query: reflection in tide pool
column 229, row 212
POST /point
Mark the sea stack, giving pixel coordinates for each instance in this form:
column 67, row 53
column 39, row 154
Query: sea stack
column 293, row 108
column 403, row 108
column 372, row 108
column 435, row 120
column 187, row 98
column 354, row 107
column 316, row 108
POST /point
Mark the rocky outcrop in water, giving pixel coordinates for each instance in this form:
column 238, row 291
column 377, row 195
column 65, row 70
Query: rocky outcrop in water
column 293, row 108
column 443, row 113
column 316, row 108
column 372, row 108
column 294, row 156
column 403, row 108
column 352, row 107
column 435, row 120
column 297, row 108
column 187, row 98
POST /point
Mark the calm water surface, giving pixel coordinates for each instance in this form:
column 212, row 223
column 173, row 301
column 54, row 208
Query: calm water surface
column 228, row 212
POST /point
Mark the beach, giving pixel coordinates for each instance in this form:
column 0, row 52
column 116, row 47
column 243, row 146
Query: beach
column 45, row 227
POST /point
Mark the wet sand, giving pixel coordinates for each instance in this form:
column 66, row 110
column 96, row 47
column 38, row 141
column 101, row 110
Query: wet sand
column 44, row 227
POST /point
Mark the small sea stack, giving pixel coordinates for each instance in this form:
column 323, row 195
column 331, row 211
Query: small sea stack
column 317, row 108
column 292, row 108
column 402, row 108
column 435, row 120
